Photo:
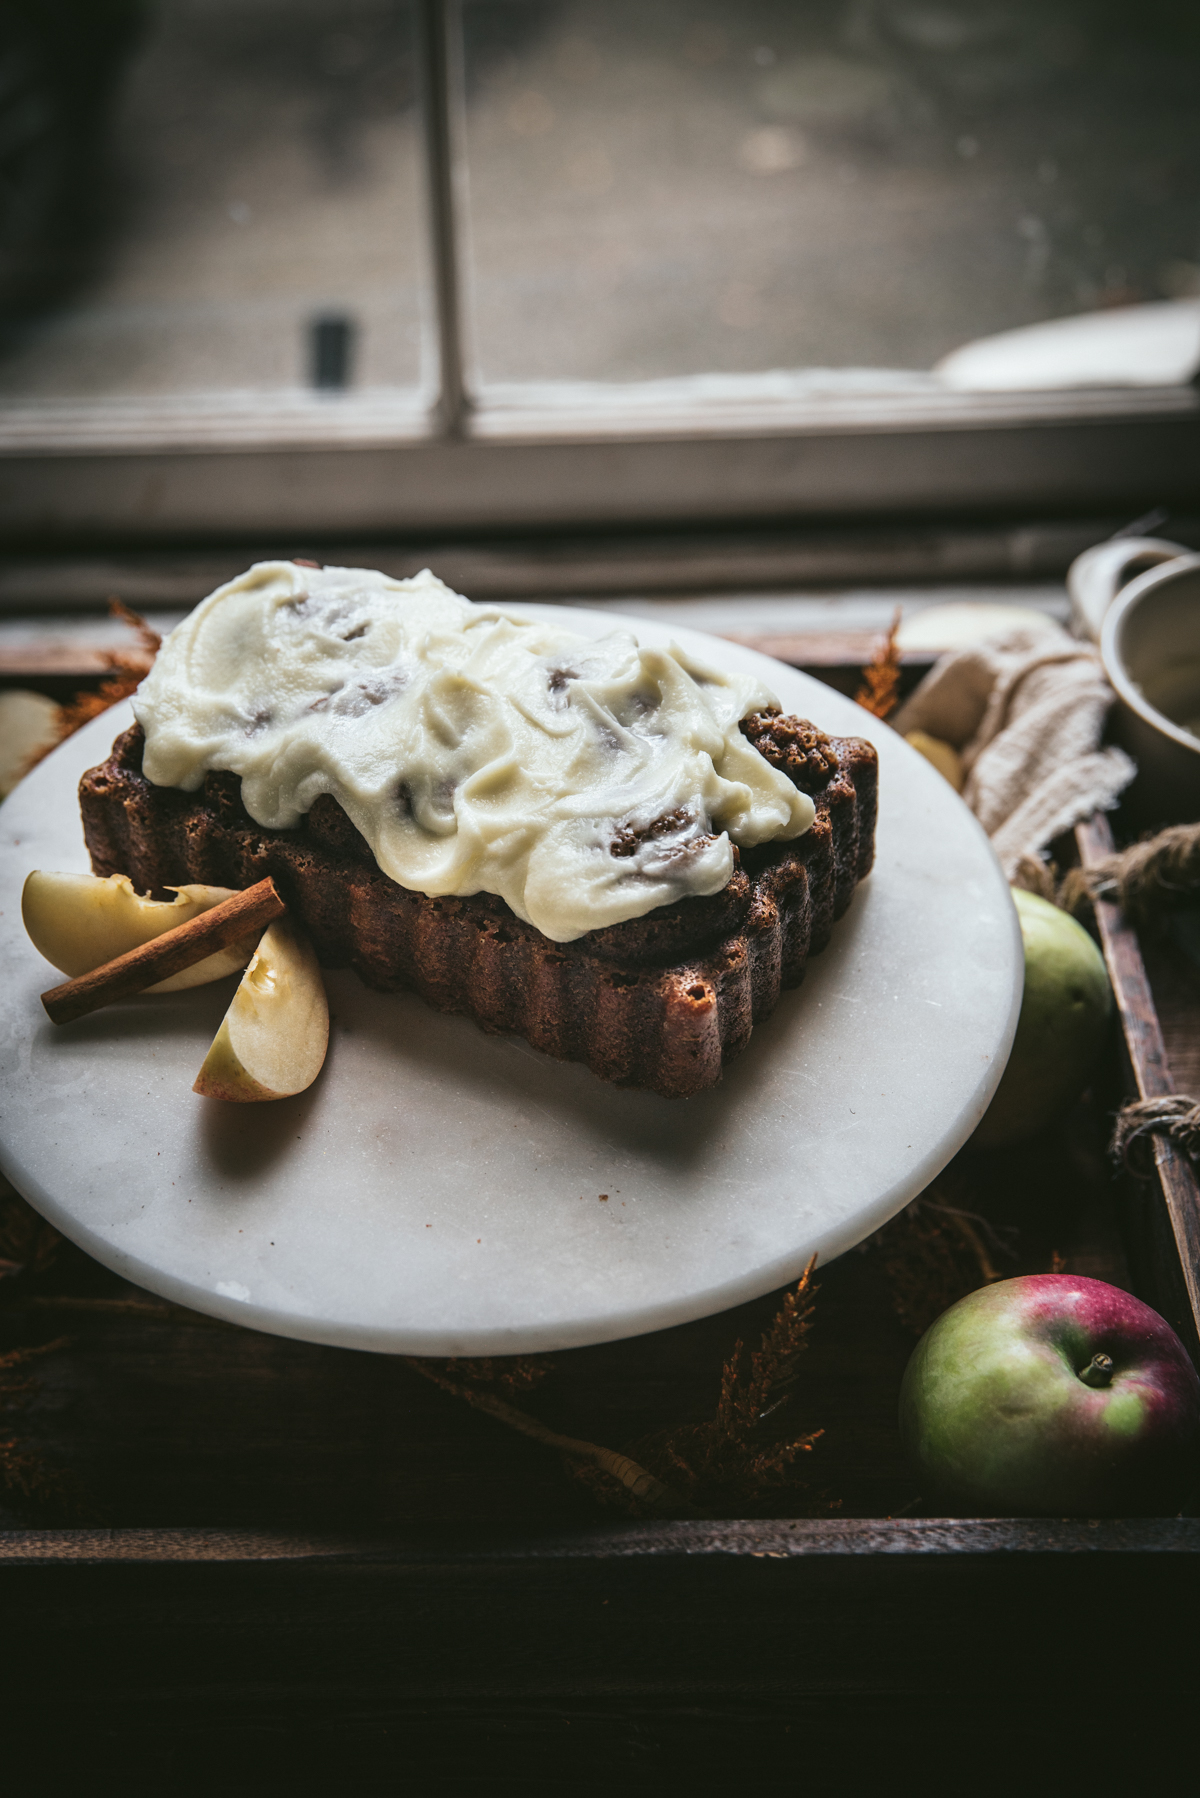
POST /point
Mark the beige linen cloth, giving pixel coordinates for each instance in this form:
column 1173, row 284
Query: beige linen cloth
column 1025, row 710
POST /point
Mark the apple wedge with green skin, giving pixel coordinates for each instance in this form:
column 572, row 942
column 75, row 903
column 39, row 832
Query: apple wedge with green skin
column 80, row 921
column 273, row 1038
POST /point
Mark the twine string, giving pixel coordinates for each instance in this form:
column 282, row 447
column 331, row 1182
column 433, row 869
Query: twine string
column 1172, row 1115
column 1147, row 879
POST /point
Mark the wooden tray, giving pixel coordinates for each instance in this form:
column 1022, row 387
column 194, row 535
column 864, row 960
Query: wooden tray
column 293, row 1561
column 1161, row 1217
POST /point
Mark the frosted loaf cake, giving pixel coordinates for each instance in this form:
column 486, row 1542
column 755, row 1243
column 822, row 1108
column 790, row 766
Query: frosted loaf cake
column 615, row 851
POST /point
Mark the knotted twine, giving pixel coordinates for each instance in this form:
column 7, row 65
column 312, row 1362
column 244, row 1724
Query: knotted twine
column 1173, row 1115
column 1147, row 880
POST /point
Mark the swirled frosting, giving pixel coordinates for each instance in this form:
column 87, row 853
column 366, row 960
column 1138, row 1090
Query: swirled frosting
column 584, row 780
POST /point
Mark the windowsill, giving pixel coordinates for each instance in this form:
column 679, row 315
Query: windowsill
column 551, row 413
column 300, row 466
column 673, row 409
column 284, row 419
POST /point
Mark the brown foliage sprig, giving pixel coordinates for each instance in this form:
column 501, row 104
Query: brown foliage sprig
column 880, row 687
column 512, row 1374
column 24, row 1472
column 28, row 1244
column 735, row 1459
column 26, row 1240
column 740, row 1456
column 128, row 672
column 934, row 1254
column 639, row 1489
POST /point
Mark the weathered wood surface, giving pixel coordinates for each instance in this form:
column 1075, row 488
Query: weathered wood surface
column 578, row 566
column 767, row 1538
column 1152, row 1072
column 55, row 661
column 665, row 1658
column 300, row 1563
column 818, row 650
column 162, row 1418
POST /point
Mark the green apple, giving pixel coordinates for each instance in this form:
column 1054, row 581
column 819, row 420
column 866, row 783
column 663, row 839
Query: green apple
column 273, row 1038
column 943, row 756
column 80, row 921
column 1065, row 1013
column 1051, row 1395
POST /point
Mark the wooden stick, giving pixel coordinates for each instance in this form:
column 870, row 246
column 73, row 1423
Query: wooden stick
column 1148, row 1055
column 165, row 955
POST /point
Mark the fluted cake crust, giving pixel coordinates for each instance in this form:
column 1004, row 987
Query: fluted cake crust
column 659, row 1002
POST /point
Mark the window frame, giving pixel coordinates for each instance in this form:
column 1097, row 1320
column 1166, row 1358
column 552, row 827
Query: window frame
column 394, row 462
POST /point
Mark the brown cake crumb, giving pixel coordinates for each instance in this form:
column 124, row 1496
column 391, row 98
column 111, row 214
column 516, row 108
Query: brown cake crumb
column 628, row 840
column 804, row 753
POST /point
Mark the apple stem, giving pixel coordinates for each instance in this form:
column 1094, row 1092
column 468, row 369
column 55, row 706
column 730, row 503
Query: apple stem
column 1098, row 1372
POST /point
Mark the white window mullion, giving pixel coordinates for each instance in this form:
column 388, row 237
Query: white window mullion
column 439, row 38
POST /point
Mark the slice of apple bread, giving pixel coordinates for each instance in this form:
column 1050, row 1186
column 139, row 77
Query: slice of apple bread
column 659, row 1002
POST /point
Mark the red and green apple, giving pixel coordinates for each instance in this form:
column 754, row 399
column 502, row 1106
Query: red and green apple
column 1052, row 1395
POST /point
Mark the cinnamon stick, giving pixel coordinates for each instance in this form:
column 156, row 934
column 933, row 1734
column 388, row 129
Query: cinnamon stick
column 165, row 955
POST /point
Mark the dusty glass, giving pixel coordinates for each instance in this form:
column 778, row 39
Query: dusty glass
column 663, row 189
column 242, row 213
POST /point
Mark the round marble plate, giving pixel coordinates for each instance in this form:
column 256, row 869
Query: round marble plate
column 443, row 1192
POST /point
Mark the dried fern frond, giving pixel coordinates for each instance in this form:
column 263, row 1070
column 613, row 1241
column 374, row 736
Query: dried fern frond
column 26, row 1239
column 880, row 687
column 24, row 1471
column 739, row 1457
column 732, row 1460
column 746, row 1399
column 128, row 673
column 652, row 1495
column 73, row 714
column 933, row 1255
column 150, row 640
column 512, row 1373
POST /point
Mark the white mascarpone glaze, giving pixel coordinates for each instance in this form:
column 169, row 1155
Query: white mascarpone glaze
column 475, row 750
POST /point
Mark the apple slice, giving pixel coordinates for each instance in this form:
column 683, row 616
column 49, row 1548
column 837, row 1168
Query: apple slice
column 273, row 1038
column 80, row 921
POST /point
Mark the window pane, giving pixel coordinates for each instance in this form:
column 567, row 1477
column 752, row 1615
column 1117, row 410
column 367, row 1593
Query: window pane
column 667, row 189
column 206, row 195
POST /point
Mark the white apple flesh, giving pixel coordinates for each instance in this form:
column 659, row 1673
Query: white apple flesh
column 80, row 921
column 273, row 1038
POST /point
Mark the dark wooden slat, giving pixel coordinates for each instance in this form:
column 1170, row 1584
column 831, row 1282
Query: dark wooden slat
column 583, row 565
column 1148, row 1056
column 754, row 1539
column 827, row 649
column 58, row 661
column 420, row 1637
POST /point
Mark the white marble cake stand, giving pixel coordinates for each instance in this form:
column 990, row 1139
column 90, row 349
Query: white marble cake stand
column 438, row 1191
